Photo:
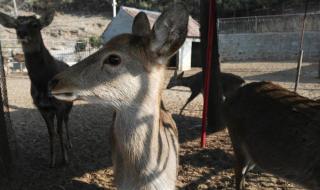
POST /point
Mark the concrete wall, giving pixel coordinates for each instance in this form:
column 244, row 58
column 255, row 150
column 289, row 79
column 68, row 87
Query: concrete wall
column 268, row 46
column 185, row 56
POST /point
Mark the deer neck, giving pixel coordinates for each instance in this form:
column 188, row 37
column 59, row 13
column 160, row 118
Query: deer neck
column 37, row 59
column 137, row 126
column 33, row 45
column 36, row 53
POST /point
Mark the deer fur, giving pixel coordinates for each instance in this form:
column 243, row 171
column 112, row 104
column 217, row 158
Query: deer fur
column 127, row 74
column 276, row 130
column 229, row 82
column 41, row 68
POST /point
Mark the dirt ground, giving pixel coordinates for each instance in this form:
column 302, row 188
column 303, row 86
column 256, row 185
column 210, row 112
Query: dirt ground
column 91, row 168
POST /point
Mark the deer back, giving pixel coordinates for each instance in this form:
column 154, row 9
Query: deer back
column 278, row 129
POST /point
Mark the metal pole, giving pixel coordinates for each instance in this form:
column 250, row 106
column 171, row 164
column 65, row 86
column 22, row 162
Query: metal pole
column 114, row 6
column 212, row 88
column 15, row 8
column 301, row 47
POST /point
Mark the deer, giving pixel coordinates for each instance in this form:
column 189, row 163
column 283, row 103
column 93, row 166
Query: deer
column 276, row 130
column 41, row 67
column 195, row 84
column 127, row 74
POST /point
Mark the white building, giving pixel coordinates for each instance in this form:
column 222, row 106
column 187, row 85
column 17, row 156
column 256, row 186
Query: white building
column 122, row 23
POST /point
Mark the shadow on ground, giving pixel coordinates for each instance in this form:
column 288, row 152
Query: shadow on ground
column 309, row 74
column 214, row 158
column 90, row 157
column 89, row 132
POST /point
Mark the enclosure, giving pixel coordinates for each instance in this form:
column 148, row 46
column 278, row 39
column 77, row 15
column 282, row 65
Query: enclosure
column 200, row 168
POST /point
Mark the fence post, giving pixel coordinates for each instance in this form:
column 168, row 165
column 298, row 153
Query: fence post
column 256, row 23
column 301, row 47
column 213, row 116
column 7, row 137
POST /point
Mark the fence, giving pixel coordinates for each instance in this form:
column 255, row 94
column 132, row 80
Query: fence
column 69, row 52
column 263, row 24
column 7, row 137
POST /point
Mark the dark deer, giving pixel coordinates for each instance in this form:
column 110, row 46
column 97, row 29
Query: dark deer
column 127, row 74
column 41, row 68
column 276, row 130
column 229, row 82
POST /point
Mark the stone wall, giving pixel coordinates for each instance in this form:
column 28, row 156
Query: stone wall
column 268, row 46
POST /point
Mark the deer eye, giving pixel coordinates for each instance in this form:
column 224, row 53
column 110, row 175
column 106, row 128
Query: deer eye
column 113, row 60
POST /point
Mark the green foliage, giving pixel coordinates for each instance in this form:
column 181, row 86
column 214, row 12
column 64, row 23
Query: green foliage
column 80, row 45
column 95, row 41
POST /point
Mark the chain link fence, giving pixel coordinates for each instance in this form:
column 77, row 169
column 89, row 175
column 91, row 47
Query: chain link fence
column 272, row 23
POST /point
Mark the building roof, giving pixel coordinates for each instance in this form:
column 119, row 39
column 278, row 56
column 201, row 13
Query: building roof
column 122, row 23
column 193, row 25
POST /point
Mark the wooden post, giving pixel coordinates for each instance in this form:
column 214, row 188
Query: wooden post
column 5, row 153
column 301, row 47
column 7, row 139
column 214, row 119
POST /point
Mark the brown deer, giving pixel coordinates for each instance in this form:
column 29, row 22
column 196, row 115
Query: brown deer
column 127, row 74
column 41, row 68
column 229, row 83
column 276, row 130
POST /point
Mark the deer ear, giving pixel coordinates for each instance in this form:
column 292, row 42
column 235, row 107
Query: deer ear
column 7, row 21
column 170, row 31
column 47, row 18
column 180, row 75
column 141, row 25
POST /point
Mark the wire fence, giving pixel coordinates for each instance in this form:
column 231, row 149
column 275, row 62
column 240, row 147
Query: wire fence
column 69, row 52
column 274, row 23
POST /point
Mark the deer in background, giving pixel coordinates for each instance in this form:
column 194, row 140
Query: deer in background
column 229, row 83
column 41, row 68
column 127, row 74
column 276, row 130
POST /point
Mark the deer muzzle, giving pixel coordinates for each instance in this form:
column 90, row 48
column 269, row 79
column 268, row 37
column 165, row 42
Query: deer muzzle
column 62, row 90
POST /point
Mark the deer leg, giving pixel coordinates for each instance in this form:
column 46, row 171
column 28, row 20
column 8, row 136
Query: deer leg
column 192, row 96
column 60, row 132
column 242, row 166
column 49, row 119
column 66, row 123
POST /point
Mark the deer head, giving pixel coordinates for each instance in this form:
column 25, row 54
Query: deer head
column 129, row 65
column 28, row 27
column 174, row 80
